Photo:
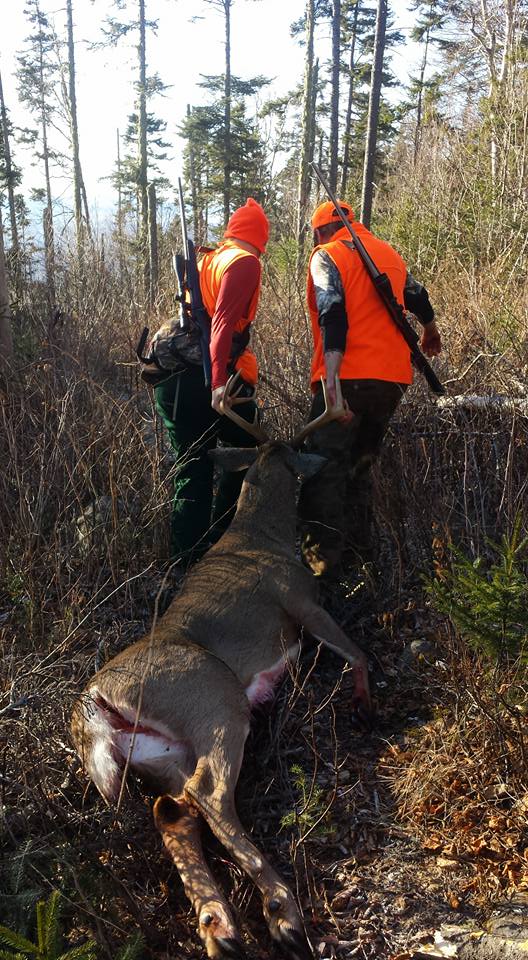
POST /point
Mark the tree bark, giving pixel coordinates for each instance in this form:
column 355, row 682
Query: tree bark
column 6, row 339
column 153, row 245
column 373, row 113
column 334, row 107
column 304, row 170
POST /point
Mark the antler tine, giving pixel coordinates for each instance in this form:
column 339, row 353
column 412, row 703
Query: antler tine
column 334, row 412
column 231, row 397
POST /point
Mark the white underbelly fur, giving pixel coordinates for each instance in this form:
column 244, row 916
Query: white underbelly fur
column 151, row 752
column 262, row 686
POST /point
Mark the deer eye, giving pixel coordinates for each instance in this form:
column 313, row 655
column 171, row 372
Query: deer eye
column 273, row 906
column 207, row 919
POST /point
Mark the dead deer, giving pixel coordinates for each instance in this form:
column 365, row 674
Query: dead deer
column 175, row 706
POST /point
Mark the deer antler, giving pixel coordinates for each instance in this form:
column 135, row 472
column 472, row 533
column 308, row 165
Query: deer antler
column 228, row 401
column 335, row 412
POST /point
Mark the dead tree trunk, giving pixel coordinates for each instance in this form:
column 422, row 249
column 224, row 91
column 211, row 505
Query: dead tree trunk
column 143, row 158
column 74, row 134
column 6, row 340
column 373, row 113
column 120, row 238
column 153, row 245
column 10, row 183
column 304, row 170
column 419, row 104
column 49, row 253
column 49, row 238
column 334, row 107
column 227, row 112
column 194, row 184
column 348, row 118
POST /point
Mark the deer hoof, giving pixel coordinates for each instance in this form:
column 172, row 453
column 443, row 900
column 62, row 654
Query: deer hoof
column 231, row 948
column 285, row 925
column 218, row 933
column 363, row 716
column 294, row 944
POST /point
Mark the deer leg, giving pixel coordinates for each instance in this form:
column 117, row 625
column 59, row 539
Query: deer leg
column 211, row 789
column 323, row 627
column 179, row 825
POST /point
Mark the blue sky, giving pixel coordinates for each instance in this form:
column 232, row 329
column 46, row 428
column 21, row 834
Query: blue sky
column 181, row 51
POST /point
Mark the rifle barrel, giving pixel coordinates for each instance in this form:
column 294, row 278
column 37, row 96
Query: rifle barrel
column 183, row 221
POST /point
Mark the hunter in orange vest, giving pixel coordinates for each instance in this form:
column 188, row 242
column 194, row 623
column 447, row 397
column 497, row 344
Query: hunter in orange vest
column 230, row 286
column 356, row 340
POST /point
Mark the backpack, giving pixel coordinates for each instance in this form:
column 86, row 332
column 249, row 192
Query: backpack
column 170, row 351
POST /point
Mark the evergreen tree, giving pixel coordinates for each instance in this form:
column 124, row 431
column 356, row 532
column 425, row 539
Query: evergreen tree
column 203, row 131
column 423, row 88
column 229, row 94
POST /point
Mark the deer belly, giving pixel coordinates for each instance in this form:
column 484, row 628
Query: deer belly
column 262, row 686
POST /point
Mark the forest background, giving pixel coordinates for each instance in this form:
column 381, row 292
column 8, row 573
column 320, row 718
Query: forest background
column 438, row 166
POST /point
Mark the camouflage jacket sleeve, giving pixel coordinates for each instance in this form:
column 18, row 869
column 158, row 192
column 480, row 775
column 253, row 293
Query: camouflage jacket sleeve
column 416, row 299
column 330, row 300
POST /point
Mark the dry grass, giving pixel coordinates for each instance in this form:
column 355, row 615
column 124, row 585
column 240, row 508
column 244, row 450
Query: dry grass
column 75, row 429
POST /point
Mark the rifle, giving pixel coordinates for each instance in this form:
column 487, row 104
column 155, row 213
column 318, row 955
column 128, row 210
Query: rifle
column 384, row 289
column 192, row 310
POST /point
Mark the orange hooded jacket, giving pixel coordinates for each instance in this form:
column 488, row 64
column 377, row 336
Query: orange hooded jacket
column 212, row 267
column 375, row 349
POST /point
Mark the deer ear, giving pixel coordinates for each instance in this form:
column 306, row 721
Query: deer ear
column 305, row 465
column 234, row 458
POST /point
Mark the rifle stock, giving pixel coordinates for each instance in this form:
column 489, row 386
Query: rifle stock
column 385, row 292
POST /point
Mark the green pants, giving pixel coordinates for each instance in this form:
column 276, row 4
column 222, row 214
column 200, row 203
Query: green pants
column 184, row 404
column 335, row 506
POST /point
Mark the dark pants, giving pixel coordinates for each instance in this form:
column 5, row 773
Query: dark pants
column 184, row 403
column 335, row 506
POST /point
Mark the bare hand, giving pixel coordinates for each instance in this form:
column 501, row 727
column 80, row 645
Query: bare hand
column 332, row 400
column 331, row 391
column 217, row 395
column 431, row 342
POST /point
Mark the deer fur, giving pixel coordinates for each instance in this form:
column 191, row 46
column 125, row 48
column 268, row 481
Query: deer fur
column 176, row 705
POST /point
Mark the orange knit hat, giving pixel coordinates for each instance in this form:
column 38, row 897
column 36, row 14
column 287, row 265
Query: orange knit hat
column 327, row 213
column 249, row 223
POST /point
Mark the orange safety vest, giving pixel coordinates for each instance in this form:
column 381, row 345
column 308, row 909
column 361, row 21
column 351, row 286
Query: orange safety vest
column 212, row 267
column 375, row 349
